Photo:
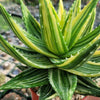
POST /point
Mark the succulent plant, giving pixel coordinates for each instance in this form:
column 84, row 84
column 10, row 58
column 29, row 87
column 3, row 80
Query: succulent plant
column 62, row 52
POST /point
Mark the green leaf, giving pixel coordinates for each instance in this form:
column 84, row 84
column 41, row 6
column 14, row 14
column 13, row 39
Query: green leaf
column 32, row 26
column 27, row 79
column 2, row 48
column 76, row 7
column 45, row 92
column 87, row 38
column 82, row 56
column 90, row 69
column 23, row 48
column 67, row 29
column 86, row 86
column 52, row 96
column 63, row 83
column 86, row 81
column 61, row 13
column 61, row 9
column 22, row 68
column 96, row 57
column 30, row 59
column 81, row 20
column 83, row 42
column 51, row 31
column 28, row 39
column 89, row 26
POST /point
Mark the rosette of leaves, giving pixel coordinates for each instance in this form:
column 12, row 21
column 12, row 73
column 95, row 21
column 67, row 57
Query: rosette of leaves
column 61, row 53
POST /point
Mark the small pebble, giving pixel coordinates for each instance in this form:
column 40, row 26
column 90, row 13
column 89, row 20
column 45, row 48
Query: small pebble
column 13, row 59
column 19, row 42
column 3, row 54
column 16, row 72
column 7, row 33
column 9, row 40
column 6, row 65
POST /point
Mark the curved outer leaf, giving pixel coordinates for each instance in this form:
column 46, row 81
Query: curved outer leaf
column 63, row 83
column 3, row 49
column 45, row 92
column 87, row 87
column 27, row 79
column 51, row 32
column 87, row 81
column 52, row 96
column 24, row 49
column 30, row 59
column 22, row 68
column 80, row 21
column 82, row 56
column 32, row 26
column 90, row 69
column 26, row 38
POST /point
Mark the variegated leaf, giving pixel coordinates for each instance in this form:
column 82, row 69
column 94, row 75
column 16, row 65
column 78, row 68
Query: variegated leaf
column 61, row 13
column 89, row 26
column 90, row 69
column 96, row 57
column 61, row 9
column 86, row 86
column 28, row 39
column 67, row 29
column 32, row 26
column 26, row 57
column 83, row 42
column 22, row 68
column 76, row 8
column 27, row 79
column 79, row 23
column 51, row 32
column 90, row 36
column 45, row 92
column 63, row 83
column 82, row 56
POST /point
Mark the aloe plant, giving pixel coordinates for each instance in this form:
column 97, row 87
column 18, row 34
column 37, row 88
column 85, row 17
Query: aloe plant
column 61, row 54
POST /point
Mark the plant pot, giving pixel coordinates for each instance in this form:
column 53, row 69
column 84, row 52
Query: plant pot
column 34, row 95
column 91, row 98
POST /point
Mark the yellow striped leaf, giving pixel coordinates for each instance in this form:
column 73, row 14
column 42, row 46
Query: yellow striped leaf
column 87, row 86
column 73, row 12
column 63, row 83
column 78, row 24
column 27, row 79
column 82, row 56
column 90, row 69
column 51, row 32
column 26, row 57
column 32, row 25
column 61, row 9
column 29, row 40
